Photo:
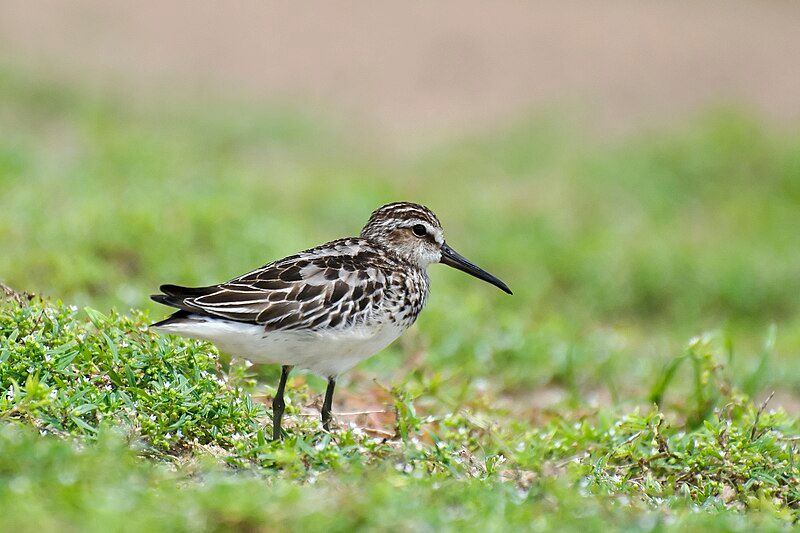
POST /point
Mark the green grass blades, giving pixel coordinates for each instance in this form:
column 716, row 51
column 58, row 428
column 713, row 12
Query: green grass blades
column 68, row 372
column 49, row 485
column 101, row 390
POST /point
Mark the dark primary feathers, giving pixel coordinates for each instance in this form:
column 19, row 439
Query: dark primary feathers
column 337, row 284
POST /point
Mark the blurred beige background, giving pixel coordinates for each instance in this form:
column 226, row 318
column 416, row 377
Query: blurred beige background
column 410, row 73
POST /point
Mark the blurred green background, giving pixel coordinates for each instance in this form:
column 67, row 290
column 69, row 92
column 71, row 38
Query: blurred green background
column 632, row 171
column 617, row 251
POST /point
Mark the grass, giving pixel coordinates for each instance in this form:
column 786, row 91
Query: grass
column 579, row 402
column 102, row 391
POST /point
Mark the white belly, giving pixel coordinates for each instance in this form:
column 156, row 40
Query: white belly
column 327, row 353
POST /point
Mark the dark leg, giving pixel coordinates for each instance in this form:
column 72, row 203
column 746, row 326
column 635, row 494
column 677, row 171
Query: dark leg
column 278, row 404
column 327, row 404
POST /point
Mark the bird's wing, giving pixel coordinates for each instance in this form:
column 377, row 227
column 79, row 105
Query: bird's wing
column 329, row 286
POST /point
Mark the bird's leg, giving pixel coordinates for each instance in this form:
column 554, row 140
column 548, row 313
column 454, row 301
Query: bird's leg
column 278, row 404
column 327, row 404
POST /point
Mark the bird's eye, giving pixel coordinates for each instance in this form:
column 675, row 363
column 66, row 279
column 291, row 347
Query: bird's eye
column 419, row 230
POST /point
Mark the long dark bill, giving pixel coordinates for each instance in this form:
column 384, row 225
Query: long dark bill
column 454, row 259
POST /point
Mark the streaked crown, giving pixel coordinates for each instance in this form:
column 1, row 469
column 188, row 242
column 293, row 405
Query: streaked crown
column 410, row 230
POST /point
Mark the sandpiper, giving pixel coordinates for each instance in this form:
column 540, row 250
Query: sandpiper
column 327, row 308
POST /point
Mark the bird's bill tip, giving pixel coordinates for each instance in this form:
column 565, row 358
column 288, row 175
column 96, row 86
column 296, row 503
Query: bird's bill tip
column 454, row 259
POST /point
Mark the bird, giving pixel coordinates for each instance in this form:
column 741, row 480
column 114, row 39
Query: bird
column 324, row 309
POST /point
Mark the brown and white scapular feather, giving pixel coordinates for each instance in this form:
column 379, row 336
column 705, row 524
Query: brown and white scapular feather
column 339, row 285
column 326, row 308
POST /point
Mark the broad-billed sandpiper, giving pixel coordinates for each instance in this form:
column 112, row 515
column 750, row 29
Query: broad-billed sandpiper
column 327, row 308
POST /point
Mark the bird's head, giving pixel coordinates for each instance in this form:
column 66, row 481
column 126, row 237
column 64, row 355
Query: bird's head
column 414, row 233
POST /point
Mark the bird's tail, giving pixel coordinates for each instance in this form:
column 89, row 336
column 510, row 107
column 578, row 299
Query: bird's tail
column 177, row 296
